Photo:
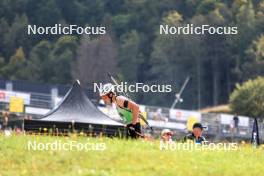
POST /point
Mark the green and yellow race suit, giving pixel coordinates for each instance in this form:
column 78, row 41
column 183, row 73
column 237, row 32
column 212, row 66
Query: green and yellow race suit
column 125, row 114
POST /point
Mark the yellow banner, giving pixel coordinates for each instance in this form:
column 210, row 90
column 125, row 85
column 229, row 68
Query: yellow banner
column 190, row 122
column 16, row 104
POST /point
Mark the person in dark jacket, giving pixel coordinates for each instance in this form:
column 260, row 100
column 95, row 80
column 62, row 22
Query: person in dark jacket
column 196, row 134
column 236, row 122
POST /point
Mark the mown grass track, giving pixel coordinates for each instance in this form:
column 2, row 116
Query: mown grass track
column 123, row 157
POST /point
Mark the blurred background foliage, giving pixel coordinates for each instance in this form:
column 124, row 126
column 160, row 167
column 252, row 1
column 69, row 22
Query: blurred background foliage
column 133, row 48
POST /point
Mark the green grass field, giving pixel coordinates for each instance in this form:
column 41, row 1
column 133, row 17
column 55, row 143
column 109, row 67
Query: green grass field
column 123, row 157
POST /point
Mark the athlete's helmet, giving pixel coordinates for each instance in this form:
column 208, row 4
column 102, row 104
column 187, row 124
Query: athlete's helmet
column 106, row 89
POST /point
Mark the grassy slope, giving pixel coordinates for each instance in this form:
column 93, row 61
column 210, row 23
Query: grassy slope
column 123, row 157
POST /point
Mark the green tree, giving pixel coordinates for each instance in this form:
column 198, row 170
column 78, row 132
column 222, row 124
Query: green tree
column 175, row 57
column 255, row 60
column 3, row 31
column 260, row 18
column 16, row 68
column 63, row 58
column 206, row 6
column 246, row 22
column 39, row 63
column 43, row 13
column 130, row 57
column 2, row 65
column 248, row 98
column 218, row 54
column 16, row 36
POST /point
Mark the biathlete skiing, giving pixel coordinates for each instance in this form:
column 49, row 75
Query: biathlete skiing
column 127, row 109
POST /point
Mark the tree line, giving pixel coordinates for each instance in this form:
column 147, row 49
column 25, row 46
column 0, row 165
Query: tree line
column 133, row 49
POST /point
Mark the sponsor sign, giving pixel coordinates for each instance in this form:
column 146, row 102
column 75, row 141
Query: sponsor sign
column 184, row 115
column 16, row 104
column 5, row 96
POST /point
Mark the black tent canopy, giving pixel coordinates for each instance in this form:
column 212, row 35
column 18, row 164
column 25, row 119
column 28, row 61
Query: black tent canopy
column 77, row 110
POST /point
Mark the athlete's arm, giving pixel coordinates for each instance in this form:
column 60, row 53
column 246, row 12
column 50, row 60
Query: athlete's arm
column 132, row 106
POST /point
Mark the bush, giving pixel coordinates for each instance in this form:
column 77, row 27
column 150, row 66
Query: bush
column 248, row 98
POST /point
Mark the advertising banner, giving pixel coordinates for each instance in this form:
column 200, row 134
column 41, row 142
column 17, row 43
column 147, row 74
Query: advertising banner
column 184, row 115
column 16, row 104
column 6, row 95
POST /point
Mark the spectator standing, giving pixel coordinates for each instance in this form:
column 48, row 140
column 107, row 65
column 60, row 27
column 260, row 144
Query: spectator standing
column 5, row 119
column 236, row 123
